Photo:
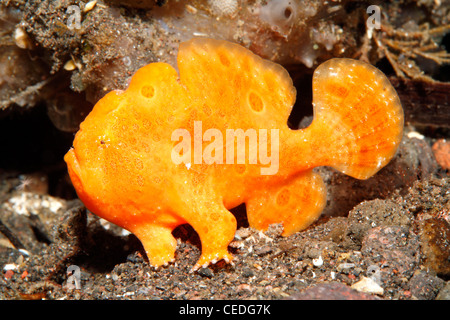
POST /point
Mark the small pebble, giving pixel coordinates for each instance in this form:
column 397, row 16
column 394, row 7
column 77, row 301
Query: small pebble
column 262, row 251
column 8, row 274
column 367, row 285
column 242, row 233
column 318, row 262
column 9, row 266
column 205, row 272
column 345, row 266
column 441, row 150
column 425, row 286
column 247, row 272
column 444, row 294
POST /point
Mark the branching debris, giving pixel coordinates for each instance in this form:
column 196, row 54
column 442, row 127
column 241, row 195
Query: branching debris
column 403, row 48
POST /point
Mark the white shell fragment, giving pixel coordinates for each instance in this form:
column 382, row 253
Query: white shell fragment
column 318, row 262
column 21, row 39
column 367, row 285
column 89, row 6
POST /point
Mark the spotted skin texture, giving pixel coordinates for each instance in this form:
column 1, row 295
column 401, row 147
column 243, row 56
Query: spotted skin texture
column 121, row 162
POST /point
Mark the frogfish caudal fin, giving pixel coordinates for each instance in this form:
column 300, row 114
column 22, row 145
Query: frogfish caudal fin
column 358, row 118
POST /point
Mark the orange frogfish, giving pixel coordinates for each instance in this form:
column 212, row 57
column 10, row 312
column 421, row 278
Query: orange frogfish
column 185, row 147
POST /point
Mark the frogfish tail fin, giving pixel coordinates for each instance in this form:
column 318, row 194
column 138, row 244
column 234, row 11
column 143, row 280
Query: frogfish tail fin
column 358, row 114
